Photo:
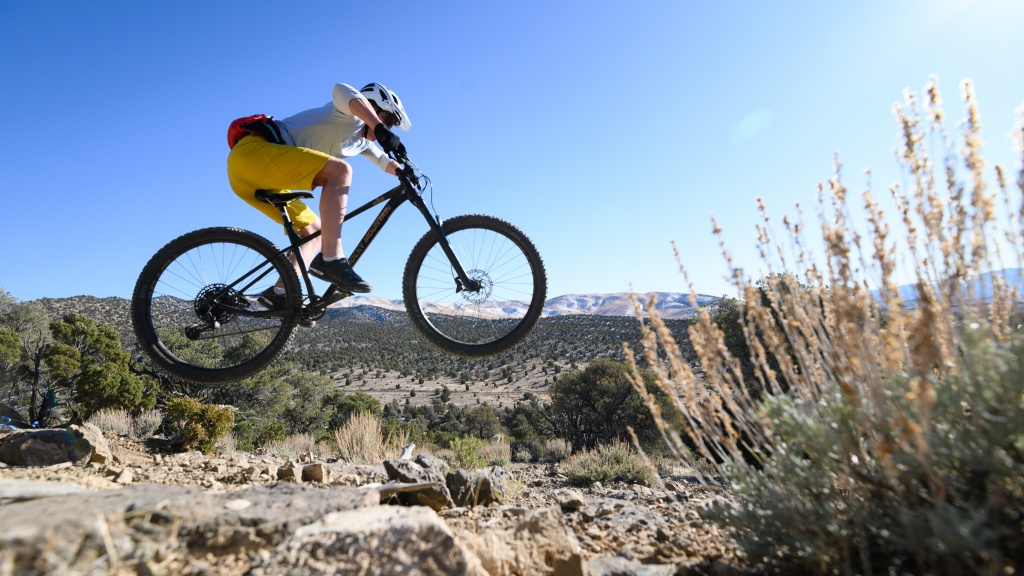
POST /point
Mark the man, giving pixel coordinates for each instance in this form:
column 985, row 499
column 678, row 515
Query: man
column 311, row 153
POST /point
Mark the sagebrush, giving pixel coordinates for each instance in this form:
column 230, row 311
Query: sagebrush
column 879, row 431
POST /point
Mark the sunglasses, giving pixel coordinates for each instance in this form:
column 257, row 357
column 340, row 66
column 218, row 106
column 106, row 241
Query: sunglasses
column 389, row 119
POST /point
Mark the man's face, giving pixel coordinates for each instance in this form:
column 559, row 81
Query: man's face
column 389, row 120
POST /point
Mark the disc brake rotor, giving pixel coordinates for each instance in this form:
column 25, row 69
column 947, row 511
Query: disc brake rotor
column 486, row 287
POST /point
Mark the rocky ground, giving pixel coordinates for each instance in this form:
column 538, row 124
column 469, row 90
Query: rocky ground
column 250, row 514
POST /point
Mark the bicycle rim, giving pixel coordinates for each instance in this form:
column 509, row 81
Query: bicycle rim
column 188, row 299
column 486, row 321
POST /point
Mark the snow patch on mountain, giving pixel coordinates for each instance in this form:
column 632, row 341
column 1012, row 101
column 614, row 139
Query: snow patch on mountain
column 669, row 305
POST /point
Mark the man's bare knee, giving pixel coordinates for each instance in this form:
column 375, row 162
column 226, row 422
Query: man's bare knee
column 336, row 172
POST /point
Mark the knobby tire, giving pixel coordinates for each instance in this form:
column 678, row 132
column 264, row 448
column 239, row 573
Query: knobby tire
column 488, row 321
column 185, row 278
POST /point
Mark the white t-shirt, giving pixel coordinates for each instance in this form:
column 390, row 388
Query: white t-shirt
column 333, row 129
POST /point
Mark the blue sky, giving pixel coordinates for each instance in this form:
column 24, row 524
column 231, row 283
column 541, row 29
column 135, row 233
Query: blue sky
column 604, row 130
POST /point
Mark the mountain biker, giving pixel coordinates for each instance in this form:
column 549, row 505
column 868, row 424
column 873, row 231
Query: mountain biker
column 308, row 150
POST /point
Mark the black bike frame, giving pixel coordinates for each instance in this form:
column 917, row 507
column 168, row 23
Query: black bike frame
column 395, row 197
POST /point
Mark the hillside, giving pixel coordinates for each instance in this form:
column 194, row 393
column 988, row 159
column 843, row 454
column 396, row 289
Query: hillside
column 377, row 350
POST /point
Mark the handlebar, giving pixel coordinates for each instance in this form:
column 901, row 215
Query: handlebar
column 407, row 172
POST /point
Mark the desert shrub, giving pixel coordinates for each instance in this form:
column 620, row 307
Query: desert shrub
column 146, row 424
column 597, row 404
column 361, row 441
column 119, row 421
column 554, row 450
column 466, row 452
column 614, row 462
column 112, row 420
column 291, row 446
column 410, row 431
column 523, row 455
column 891, row 441
column 198, row 426
column 226, row 445
column 496, row 452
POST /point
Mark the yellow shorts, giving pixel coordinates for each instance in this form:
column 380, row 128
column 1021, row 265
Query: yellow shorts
column 255, row 164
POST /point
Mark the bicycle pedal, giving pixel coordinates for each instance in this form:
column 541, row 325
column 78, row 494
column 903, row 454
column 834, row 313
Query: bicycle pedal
column 307, row 323
column 336, row 297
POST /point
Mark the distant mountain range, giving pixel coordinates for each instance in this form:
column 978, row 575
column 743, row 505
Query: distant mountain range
column 1014, row 277
column 670, row 305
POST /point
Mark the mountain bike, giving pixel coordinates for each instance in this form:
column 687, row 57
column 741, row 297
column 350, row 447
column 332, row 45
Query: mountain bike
column 473, row 285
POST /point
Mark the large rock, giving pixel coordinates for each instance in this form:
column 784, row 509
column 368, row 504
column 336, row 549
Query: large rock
column 46, row 447
column 617, row 566
column 140, row 526
column 15, row 490
column 375, row 541
column 539, row 543
column 435, row 492
column 478, row 488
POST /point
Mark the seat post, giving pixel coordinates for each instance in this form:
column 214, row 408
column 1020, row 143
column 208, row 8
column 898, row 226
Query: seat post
column 289, row 227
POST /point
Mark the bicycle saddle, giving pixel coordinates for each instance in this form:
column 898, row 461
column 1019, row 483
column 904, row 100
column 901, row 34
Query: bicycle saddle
column 280, row 199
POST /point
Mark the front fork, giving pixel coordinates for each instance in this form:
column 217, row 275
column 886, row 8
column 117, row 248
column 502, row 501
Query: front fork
column 462, row 279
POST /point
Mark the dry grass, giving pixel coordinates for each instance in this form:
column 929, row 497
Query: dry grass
column 292, row 446
column 878, row 434
column 119, row 421
column 614, row 462
column 555, row 450
column 496, row 452
column 360, row 441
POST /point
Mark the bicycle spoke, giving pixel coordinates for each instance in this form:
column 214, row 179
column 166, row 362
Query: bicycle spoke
column 202, row 297
column 507, row 278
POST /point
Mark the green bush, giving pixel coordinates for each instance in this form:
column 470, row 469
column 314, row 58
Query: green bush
column 86, row 364
column 467, row 452
column 597, row 404
column 615, row 462
column 344, row 406
column 198, row 426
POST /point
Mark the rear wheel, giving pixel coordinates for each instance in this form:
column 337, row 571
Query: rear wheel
column 196, row 316
column 494, row 314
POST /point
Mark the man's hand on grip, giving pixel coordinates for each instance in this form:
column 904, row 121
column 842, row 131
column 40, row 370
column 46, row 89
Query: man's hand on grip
column 388, row 140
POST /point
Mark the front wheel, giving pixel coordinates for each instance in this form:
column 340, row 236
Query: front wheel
column 502, row 306
column 195, row 309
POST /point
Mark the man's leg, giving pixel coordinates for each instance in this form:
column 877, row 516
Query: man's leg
column 334, row 179
column 308, row 250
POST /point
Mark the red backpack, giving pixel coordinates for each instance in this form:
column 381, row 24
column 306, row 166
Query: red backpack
column 259, row 124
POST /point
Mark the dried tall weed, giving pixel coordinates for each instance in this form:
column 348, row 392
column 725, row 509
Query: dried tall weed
column 882, row 431
column 360, row 441
column 119, row 421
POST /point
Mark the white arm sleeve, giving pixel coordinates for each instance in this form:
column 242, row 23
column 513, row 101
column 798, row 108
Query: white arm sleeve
column 377, row 156
column 341, row 95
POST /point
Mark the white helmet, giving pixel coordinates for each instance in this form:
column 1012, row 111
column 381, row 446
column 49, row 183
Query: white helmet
column 387, row 100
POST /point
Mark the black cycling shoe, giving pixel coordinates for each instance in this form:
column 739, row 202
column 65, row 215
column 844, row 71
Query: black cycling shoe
column 271, row 300
column 340, row 273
